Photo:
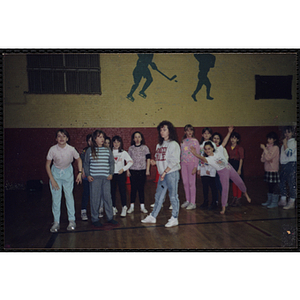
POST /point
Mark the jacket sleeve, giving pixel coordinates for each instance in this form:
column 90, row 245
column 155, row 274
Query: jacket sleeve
column 86, row 164
column 111, row 163
column 173, row 155
column 128, row 159
column 291, row 149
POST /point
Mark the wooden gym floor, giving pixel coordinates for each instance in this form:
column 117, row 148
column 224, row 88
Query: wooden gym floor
column 28, row 218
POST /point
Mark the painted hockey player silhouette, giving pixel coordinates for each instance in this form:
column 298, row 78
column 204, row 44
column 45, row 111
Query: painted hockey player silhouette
column 141, row 70
column 206, row 61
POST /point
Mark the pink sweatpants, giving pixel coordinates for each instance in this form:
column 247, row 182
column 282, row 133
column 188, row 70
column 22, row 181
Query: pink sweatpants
column 189, row 181
column 230, row 173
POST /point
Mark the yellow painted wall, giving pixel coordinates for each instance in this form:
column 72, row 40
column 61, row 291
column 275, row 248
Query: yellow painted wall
column 233, row 89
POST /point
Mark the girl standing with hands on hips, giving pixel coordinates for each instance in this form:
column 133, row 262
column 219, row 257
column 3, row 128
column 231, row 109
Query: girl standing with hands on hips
column 139, row 170
column 224, row 169
column 167, row 160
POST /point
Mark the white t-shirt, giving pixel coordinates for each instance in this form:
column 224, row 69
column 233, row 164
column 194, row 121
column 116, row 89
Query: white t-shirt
column 206, row 169
column 218, row 160
column 120, row 159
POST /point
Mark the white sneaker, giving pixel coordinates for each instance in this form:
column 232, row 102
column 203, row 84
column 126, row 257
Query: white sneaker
column 130, row 210
column 282, row 202
column 152, row 205
column 84, row 216
column 55, row 227
column 101, row 212
column 149, row 219
column 115, row 211
column 290, row 205
column 185, row 204
column 191, row 206
column 172, row 222
column 144, row 210
column 124, row 211
column 71, row 226
column 171, row 207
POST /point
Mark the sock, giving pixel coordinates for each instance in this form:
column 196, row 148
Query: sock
column 292, row 200
column 132, row 205
column 283, row 198
column 142, row 205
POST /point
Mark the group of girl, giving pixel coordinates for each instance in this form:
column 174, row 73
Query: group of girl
column 104, row 165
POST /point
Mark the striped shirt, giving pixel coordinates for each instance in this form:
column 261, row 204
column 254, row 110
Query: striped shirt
column 102, row 165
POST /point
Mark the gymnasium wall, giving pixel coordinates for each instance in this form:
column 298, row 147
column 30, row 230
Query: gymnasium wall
column 30, row 120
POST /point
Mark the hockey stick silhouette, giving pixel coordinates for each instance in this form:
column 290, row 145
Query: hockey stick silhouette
column 173, row 77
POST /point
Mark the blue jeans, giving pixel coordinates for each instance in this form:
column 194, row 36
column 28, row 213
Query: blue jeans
column 170, row 183
column 288, row 173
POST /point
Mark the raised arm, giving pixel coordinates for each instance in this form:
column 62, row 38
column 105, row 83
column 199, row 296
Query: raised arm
column 225, row 141
column 202, row 158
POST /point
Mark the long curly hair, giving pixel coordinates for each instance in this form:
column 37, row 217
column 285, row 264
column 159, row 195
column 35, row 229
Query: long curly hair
column 172, row 132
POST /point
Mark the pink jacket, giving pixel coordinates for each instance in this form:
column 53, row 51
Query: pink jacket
column 270, row 157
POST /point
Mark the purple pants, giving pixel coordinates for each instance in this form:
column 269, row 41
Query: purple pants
column 189, row 181
column 230, row 173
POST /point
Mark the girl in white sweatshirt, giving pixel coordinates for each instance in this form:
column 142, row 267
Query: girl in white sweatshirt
column 167, row 160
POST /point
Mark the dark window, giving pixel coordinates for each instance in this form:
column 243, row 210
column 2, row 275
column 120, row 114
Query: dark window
column 63, row 73
column 273, row 87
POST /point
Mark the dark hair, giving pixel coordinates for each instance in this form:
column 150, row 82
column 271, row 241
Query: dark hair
column 209, row 143
column 64, row 131
column 203, row 130
column 289, row 129
column 236, row 135
column 186, row 127
column 119, row 139
column 172, row 131
column 88, row 137
column 94, row 145
column 108, row 138
column 218, row 134
column 142, row 136
column 273, row 135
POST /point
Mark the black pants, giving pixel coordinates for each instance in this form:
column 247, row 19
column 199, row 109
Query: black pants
column 209, row 182
column 137, row 181
column 119, row 180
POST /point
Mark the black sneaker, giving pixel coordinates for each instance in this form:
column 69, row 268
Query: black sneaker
column 204, row 206
column 97, row 224
column 112, row 222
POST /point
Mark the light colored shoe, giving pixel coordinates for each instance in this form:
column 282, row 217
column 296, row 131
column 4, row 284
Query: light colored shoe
column 185, row 204
column 149, row 219
column 115, row 211
column 290, row 205
column 130, row 210
column 84, row 216
column 191, row 206
column 101, row 212
column 144, row 210
column 71, row 226
column 171, row 207
column 55, row 227
column 124, row 211
column 152, row 205
column 282, row 202
column 172, row 222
